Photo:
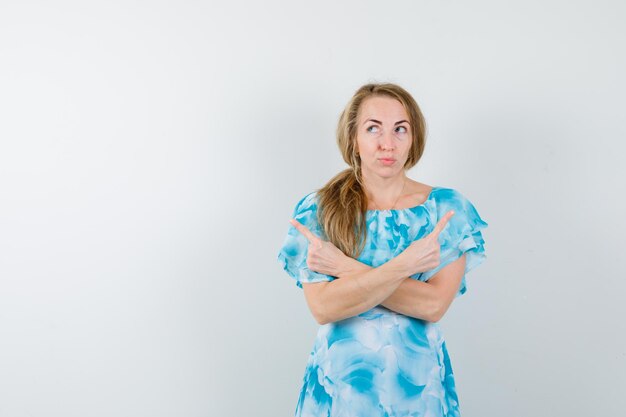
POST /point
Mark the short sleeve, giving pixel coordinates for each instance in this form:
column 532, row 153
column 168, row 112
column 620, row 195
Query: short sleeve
column 462, row 235
column 293, row 253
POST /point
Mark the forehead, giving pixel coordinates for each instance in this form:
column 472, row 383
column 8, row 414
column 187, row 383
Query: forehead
column 382, row 108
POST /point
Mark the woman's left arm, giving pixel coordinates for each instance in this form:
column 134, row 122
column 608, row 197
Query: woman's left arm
column 423, row 300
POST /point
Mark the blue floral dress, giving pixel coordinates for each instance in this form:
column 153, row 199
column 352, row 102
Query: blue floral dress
column 381, row 363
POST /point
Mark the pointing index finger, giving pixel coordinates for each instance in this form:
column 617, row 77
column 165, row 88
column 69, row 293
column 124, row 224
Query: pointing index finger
column 302, row 229
column 441, row 224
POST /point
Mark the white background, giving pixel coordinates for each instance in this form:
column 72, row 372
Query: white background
column 151, row 154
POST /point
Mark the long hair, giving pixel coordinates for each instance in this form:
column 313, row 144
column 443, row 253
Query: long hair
column 342, row 203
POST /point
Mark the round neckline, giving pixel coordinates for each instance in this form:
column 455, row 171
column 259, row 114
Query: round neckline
column 407, row 208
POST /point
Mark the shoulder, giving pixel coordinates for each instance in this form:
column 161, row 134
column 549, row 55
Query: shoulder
column 446, row 199
column 449, row 197
column 306, row 209
column 307, row 203
column 439, row 196
column 306, row 212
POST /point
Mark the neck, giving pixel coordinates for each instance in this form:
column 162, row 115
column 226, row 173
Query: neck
column 384, row 191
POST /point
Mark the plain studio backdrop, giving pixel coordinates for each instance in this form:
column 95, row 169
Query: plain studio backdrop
column 152, row 154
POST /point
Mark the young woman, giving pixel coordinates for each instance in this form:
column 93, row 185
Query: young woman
column 380, row 258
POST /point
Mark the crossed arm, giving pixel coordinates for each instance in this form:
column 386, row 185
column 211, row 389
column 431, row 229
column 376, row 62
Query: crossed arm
column 423, row 300
column 361, row 287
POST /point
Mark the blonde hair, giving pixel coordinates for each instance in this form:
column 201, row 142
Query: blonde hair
column 342, row 203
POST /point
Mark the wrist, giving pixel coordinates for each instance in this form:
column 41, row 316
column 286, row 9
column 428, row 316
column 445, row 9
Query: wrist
column 350, row 266
column 400, row 267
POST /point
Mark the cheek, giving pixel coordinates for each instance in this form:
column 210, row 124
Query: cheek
column 406, row 151
column 368, row 151
column 362, row 147
column 408, row 145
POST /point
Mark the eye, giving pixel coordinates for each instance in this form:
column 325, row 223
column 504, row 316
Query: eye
column 369, row 129
column 404, row 129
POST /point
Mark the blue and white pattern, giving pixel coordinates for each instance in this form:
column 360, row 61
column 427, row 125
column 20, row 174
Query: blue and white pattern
column 381, row 363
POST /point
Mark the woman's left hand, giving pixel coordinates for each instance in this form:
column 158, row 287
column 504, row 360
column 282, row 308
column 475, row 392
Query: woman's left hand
column 322, row 257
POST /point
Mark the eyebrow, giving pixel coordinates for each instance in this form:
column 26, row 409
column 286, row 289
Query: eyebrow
column 380, row 123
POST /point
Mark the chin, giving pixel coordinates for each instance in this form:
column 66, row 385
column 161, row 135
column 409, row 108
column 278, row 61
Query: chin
column 384, row 173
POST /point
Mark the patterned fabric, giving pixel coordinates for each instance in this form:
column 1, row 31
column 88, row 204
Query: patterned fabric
column 381, row 363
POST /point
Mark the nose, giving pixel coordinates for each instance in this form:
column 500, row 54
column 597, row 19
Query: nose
column 387, row 141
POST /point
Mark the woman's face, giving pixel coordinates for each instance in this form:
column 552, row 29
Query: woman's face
column 383, row 136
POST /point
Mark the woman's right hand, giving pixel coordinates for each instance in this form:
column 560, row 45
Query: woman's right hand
column 423, row 254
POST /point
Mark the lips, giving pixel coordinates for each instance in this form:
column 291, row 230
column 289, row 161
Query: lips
column 387, row 161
